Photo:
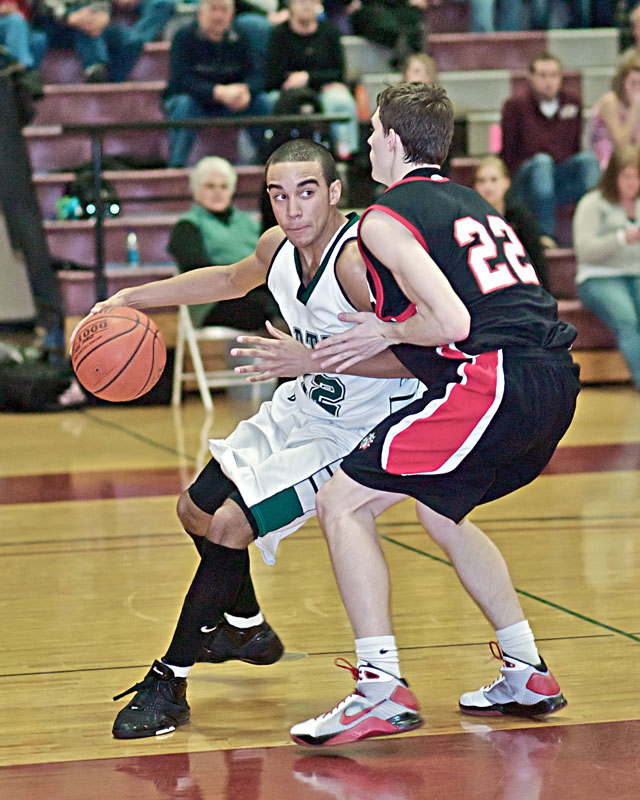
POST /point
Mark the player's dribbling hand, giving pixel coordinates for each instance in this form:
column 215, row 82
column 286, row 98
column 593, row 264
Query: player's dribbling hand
column 366, row 339
column 280, row 357
column 115, row 300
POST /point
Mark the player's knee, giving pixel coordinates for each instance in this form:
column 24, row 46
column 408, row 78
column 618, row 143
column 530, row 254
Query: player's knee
column 230, row 528
column 191, row 517
column 328, row 508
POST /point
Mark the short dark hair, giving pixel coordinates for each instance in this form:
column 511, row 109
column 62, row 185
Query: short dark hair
column 422, row 116
column 621, row 157
column 298, row 150
column 543, row 57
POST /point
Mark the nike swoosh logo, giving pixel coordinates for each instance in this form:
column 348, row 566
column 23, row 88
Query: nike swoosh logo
column 204, row 629
column 346, row 719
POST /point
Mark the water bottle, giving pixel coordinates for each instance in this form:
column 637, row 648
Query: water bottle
column 133, row 252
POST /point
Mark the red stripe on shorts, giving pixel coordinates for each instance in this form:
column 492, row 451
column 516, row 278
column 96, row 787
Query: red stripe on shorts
column 436, row 439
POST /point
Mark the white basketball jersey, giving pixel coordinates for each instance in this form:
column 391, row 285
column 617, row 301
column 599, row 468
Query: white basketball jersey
column 311, row 313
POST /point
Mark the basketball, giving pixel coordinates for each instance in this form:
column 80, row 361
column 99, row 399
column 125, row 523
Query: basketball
column 118, row 354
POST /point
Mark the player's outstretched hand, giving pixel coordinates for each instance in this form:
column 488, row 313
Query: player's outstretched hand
column 280, row 357
column 366, row 339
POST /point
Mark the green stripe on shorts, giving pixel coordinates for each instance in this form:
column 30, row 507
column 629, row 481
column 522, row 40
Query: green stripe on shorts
column 277, row 511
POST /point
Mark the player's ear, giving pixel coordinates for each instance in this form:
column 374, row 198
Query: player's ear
column 392, row 140
column 335, row 192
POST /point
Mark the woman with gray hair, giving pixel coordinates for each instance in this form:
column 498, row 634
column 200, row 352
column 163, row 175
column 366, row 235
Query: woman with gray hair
column 214, row 232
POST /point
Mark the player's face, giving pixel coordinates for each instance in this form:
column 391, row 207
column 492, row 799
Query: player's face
column 546, row 79
column 628, row 182
column 214, row 18
column 301, row 200
column 214, row 193
column 379, row 154
column 491, row 184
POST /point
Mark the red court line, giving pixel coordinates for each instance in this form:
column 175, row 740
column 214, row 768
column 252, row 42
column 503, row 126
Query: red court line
column 594, row 458
column 113, row 484
column 596, row 761
column 105, row 485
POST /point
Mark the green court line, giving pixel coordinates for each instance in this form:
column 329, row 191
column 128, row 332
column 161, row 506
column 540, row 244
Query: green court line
column 140, row 437
column 569, row 611
column 576, row 614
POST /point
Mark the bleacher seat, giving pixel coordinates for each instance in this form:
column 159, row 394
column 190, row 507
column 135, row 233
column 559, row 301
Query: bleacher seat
column 150, row 190
column 75, row 239
column 63, row 66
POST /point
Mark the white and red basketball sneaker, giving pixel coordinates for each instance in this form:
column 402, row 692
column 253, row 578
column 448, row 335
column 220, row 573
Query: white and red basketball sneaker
column 381, row 705
column 522, row 690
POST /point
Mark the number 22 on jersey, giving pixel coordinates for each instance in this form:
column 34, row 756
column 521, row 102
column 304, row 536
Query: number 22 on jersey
column 496, row 243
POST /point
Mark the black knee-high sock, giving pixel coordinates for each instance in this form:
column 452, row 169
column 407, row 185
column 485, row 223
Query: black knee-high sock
column 214, row 589
column 246, row 604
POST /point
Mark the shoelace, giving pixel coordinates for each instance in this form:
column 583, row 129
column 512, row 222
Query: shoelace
column 136, row 687
column 496, row 652
column 343, row 664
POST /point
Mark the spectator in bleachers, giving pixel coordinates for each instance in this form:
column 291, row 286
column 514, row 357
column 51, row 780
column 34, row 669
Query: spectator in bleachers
column 616, row 115
column 107, row 35
column 24, row 44
column 212, row 73
column 541, row 14
column 541, row 140
column 254, row 19
column 305, row 53
column 397, row 24
column 495, row 15
column 213, row 232
column 420, row 68
column 630, row 32
column 605, row 14
column 606, row 235
column 491, row 180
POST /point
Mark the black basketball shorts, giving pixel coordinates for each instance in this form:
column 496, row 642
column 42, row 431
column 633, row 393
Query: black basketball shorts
column 488, row 427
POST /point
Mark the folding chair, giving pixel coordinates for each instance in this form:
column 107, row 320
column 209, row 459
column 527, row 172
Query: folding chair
column 189, row 334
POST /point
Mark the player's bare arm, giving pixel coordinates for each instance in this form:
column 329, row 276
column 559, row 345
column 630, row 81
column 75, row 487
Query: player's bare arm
column 204, row 285
column 284, row 357
column 440, row 318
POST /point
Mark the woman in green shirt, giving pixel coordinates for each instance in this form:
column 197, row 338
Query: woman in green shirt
column 214, row 232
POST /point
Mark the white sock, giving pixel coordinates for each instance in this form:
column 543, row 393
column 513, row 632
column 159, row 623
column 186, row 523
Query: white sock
column 245, row 622
column 517, row 640
column 179, row 672
column 379, row 651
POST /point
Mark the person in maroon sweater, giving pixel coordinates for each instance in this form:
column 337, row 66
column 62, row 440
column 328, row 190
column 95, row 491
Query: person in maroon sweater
column 541, row 131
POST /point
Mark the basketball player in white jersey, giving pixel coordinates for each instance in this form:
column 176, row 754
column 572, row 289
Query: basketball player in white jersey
column 262, row 480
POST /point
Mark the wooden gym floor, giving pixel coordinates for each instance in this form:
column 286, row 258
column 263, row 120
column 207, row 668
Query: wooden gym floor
column 95, row 567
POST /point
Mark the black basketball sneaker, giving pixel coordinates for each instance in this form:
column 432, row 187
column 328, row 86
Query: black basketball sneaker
column 258, row 645
column 158, row 706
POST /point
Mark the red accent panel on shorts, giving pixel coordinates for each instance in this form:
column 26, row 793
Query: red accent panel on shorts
column 436, row 439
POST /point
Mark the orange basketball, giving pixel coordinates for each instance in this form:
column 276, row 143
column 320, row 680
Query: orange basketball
column 118, row 354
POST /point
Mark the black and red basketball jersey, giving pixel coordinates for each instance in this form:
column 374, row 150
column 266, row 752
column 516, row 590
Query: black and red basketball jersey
column 481, row 256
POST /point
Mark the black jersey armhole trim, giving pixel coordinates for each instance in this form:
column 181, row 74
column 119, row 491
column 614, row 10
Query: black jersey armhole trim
column 275, row 255
column 340, row 286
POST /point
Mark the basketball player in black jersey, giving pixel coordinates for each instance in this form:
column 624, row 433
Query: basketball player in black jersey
column 459, row 303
